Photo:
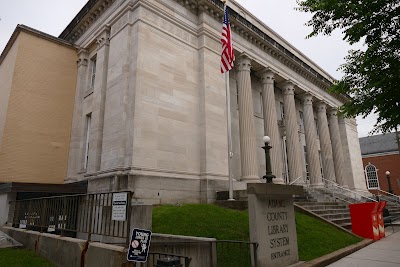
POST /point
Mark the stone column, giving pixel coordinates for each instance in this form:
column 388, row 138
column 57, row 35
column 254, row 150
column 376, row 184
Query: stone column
column 75, row 147
column 337, row 149
column 292, row 133
column 271, row 124
column 348, row 171
column 99, row 97
column 248, row 153
column 314, row 166
column 325, row 143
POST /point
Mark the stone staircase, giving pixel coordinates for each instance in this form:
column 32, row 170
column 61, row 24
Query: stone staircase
column 394, row 208
column 323, row 204
column 324, row 194
column 321, row 201
column 315, row 201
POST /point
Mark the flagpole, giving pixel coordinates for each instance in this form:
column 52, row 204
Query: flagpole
column 228, row 98
column 229, row 131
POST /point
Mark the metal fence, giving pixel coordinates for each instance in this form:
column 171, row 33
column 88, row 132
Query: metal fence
column 87, row 215
column 155, row 256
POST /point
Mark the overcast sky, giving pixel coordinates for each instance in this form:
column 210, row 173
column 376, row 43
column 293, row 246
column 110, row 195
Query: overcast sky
column 52, row 16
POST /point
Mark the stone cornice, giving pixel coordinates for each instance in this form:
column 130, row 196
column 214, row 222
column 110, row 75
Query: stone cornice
column 95, row 8
column 256, row 36
column 84, row 19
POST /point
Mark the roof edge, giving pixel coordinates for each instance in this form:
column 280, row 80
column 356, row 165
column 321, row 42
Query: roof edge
column 23, row 28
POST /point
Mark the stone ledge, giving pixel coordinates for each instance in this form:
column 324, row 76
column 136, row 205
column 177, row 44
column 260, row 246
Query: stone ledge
column 274, row 189
column 336, row 255
column 100, row 254
column 62, row 251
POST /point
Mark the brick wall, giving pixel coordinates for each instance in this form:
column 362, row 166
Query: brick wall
column 37, row 127
column 386, row 163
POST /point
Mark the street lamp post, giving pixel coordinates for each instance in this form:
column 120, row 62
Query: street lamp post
column 390, row 185
column 268, row 172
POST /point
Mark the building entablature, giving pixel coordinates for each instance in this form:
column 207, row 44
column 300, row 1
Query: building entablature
column 260, row 36
column 307, row 78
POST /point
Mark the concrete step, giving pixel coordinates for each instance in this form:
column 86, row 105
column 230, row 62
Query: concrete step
column 301, row 199
column 331, row 211
column 322, row 203
column 336, row 216
column 323, row 207
column 346, row 226
column 341, row 221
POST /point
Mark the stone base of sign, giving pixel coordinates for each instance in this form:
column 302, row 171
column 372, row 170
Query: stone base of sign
column 272, row 223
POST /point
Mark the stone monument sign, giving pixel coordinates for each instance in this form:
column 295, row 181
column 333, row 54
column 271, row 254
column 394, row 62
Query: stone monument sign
column 272, row 223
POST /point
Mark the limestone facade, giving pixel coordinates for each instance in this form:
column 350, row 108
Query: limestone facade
column 150, row 105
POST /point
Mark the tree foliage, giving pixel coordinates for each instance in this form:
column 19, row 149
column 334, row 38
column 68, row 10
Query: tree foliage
column 371, row 75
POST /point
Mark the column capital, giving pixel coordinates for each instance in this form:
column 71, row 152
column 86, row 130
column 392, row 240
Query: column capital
column 321, row 106
column 267, row 76
column 82, row 58
column 307, row 98
column 104, row 37
column 288, row 88
column 341, row 120
column 243, row 63
column 332, row 111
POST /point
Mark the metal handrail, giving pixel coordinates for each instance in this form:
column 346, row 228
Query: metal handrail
column 295, row 180
column 344, row 200
column 348, row 190
column 397, row 201
column 387, row 193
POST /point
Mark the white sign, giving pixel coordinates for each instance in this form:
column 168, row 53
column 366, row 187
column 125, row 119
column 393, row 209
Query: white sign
column 22, row 224
column 120, row 200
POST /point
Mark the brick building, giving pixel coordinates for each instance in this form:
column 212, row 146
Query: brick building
column 381, row 153
column 37, row 89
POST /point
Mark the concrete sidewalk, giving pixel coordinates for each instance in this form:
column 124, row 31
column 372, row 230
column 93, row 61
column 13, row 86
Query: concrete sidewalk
column 382, row 253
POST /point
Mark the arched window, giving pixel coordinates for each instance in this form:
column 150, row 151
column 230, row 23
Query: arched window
column 371, row 176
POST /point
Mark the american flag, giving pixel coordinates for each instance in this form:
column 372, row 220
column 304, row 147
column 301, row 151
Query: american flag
column 227, row 55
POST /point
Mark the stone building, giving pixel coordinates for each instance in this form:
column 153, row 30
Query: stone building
column 381, row 153
column 150, row 112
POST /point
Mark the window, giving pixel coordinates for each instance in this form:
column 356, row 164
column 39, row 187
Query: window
column 372, row 176
column 282, row 111
column 285, row 173
column 320, row 163
column 87, row 138
column 301, row 121
column 316, row 127
column 306, row 163
column 93, row 62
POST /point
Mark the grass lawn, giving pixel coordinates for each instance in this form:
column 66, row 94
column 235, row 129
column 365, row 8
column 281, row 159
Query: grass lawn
column 12, row 257
column 315, row 238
